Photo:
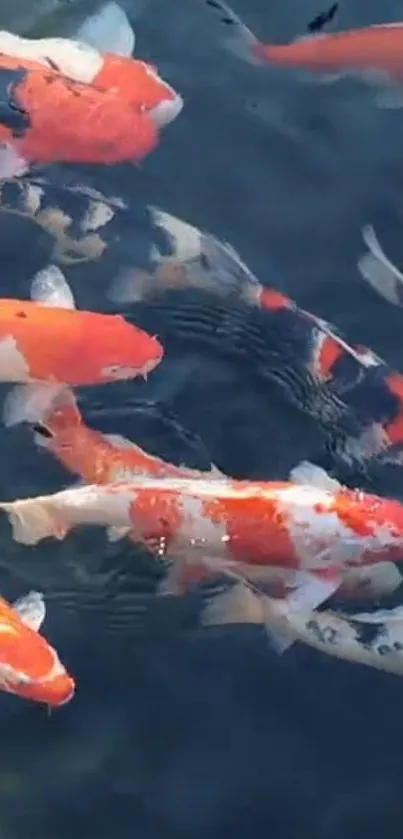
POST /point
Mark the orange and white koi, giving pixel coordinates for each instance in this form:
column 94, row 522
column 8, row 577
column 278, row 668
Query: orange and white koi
column 99, row 458
column 109, row 458
column 29, row 666
column 137, row 82
column 316, row 530
column 47, row 341
column 47, row 118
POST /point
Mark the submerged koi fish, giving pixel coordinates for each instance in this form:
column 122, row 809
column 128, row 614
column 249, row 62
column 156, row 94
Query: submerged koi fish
column 372, row 53
column 137, row 82
column 47, row 341
column 29, row 666
column 47, row 118
column 233, row 527
column 374, row 639
column 351, row 393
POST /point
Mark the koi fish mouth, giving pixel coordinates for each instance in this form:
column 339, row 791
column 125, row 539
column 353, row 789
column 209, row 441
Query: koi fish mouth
column 166, row 111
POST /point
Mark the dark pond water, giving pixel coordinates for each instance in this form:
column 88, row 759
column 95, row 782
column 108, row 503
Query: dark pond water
column 178, row 732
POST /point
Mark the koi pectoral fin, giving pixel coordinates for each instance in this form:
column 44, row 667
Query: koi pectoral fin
column 240, row 604
column 31, row 609
column 29, row 403
column 312, row 475
column 50, row 288
column 11, row 164
column 115, row 534
column 108, row 30
column 378, row 270
column 312, row 588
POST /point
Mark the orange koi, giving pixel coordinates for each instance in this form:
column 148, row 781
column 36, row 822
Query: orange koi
column 99, row 458
column 29, row 666
column 47, row 341
column 47, row 118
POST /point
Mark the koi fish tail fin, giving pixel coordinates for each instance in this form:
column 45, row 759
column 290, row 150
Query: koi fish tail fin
column 240, row 41
column 31, row 521
column 375, row 267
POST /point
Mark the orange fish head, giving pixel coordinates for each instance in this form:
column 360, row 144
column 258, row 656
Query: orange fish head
column 30, row 668
column 162, row 103
column 116, row 350
column 140, row 84
column 53, row 692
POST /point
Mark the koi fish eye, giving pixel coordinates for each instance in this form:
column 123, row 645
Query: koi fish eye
column 41, row 429
column 111, row 370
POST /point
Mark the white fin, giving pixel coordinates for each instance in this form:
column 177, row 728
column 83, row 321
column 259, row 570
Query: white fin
column 309, row 590
column 380, row 616
column 215, row 474
column 307, row 473
column 31, row 609
column 241, row 39
column 371, row 581
column 28, row 403
column 108, row 30
column 240, row 605
column 114, row 534
column 378, row 270
column 120, row 441
column 50, row 288
column 31, row 522
column 11, row 164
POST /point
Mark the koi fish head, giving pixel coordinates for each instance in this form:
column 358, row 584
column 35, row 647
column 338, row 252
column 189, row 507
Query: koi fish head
column 140, row 84
column 57, row 425
column 117, row 350
column 30, row 668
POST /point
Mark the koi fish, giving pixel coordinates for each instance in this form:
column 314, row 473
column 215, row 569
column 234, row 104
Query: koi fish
column 375, row 267
column 375, row 639
column 82, row 222
column 47, row 118
column 137, row 82
column 355, row 399
column 372, row 53
column 47, row 341
column 99, row 458
column 237, row 528
column 110, row 458
column 29, row 666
